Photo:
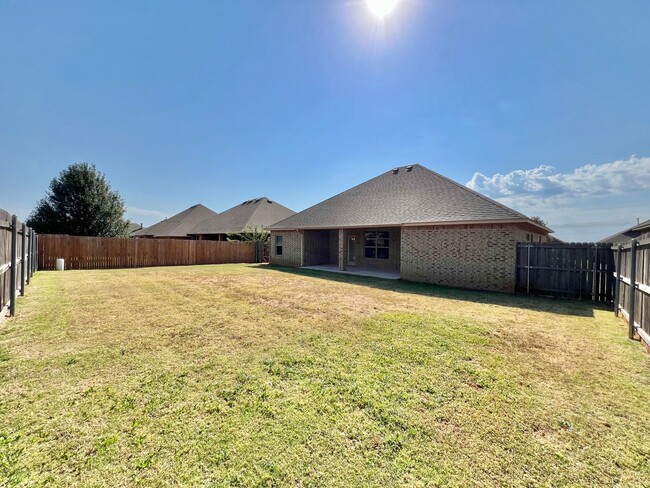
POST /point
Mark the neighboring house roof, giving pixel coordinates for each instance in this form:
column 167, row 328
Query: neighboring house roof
column 630, row 233
column 178, row 225
column 405, row 195
column 134, row 227
column 643, row 227
column 258, row 212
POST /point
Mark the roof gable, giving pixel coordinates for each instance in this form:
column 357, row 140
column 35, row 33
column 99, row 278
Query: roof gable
column 405, row 195
column 258, row 212
column 178, row 225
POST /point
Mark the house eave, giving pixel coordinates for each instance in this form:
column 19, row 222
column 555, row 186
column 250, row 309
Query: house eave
column 416, row 224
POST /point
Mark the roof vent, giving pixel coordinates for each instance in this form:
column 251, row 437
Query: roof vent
column 268, row 201
column 409, row 168
column 395, row 171
column 257, row 200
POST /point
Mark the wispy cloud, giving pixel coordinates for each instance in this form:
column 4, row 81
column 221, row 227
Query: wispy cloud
column 546, row 182
column 145, row 212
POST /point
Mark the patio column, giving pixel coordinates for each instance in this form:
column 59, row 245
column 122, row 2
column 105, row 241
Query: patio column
column 302, row 248
column 343, row 244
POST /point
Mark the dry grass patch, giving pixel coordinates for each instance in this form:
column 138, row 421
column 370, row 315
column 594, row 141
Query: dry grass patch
column 246, row 375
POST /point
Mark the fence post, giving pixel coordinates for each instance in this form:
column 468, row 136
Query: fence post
column 23, row 254
column 37, row 253
column 32, row 235
column 528, row 272
column 12, row 274
column 29, row 254
column 594, row 274
column 619, row 273
column 632, row 288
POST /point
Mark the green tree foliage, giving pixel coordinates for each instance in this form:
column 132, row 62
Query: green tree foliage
column 80, row 202
column 253, row 233
column 539, row 220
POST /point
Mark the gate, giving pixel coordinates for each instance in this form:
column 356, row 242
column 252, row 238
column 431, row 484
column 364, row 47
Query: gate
column 577, row 270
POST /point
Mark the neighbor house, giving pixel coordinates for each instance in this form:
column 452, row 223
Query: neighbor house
column 412, row 223
column 258, row 213
column 133, row 228
column 177, row 226
column 628, row 234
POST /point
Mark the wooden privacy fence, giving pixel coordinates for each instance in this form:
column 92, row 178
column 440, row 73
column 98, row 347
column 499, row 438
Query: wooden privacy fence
column 116, row 252
column 17, row 260
column 576, row 270
column 633, row 286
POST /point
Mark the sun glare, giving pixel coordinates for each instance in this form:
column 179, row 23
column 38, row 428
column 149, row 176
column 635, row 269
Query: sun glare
column 381, row 8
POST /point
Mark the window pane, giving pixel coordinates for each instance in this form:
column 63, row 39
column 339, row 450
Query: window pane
column 371, row 243
column 382, row 242
column 278, row 250
column 382, row 253
column 370, row 252
column 382, row 235
column 278, row 240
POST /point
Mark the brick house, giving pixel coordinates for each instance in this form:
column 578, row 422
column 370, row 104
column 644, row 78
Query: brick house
column 255, row 213
column 176, row 226
column 412, row 223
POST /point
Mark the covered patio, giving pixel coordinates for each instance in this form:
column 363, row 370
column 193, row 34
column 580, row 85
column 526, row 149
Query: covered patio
column 356, row 271
column 362, row 251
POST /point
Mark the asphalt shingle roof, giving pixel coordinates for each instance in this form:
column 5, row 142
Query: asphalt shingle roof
column 643, row 226
column 134, row 227
column 407, row 195
column 628, row 234
column 178, row 225
column 258, row 212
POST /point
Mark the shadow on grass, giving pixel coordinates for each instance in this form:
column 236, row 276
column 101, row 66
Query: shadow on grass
column 561, row 306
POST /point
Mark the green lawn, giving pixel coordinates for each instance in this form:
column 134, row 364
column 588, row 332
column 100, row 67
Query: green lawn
column 247, row 375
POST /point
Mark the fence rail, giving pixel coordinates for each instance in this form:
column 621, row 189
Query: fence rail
column 114, row 252
column 18, row 261
column 575, row 270
column 632, row 298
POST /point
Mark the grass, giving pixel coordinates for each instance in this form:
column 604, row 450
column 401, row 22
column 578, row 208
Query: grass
column 240, row 375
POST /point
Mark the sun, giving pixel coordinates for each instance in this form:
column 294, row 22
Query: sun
column 381, row 8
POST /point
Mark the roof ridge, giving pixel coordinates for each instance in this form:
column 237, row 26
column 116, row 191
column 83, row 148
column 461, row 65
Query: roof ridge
column 260, row 208
column 484, row 197
column 336, row 195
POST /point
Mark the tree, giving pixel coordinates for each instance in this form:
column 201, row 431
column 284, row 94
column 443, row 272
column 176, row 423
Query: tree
column 80, row 202
column 539, row 220
column 248, row 234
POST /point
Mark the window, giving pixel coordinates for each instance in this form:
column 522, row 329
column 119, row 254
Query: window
column 376, row 245
column 278, row 245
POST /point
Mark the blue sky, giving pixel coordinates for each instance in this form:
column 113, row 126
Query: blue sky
column 217, row 102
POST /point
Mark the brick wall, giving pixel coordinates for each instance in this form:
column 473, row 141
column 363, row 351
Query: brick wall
column 481, row 257
column 290, row 249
